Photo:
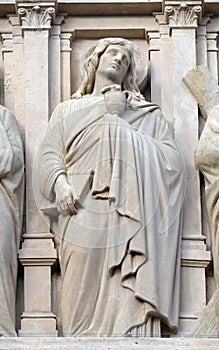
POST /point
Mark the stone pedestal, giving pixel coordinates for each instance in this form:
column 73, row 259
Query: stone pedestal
column 37, row 256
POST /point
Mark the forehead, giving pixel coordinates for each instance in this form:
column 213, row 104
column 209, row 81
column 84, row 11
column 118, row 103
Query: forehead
column 118, row 48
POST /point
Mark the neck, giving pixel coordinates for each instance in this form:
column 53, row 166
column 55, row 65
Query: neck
column 100, row 83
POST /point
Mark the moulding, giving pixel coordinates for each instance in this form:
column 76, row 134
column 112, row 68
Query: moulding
column 108, row 7
column 108, row 343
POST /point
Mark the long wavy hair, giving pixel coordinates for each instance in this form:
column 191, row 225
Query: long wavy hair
column 92, row 61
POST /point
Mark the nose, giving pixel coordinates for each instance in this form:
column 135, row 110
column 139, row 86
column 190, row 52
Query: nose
column 118, row 57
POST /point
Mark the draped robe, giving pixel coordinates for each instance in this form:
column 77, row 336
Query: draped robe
column 11, row 206
column 120, row 255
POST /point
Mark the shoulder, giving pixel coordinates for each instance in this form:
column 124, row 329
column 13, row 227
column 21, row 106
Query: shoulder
column 70, row 106
column 66, row 105
column 136, row 102
column 7, row 118
column 6, row 113
column 63, row 109
column 146, row 107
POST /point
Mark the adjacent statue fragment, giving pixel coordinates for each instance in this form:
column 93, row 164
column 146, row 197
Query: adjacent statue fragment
column 110, row 167
column 11, row 206
column 206, row 91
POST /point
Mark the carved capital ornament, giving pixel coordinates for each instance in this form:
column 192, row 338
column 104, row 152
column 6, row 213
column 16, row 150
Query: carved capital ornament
column 183, row 14
column 36, row 17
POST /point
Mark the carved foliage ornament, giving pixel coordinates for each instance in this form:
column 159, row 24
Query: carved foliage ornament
column 184, row 15
column 36, row 17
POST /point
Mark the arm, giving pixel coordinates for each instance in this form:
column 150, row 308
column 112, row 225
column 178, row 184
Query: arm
column 50, row 168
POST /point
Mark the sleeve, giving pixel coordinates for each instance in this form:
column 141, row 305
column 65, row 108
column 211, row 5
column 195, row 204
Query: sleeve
column 49, row 162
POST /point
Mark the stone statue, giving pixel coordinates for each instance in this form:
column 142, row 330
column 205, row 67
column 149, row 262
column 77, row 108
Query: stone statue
column 206, row 91
column 110, row 168
column 11, row 206
column 207, row 160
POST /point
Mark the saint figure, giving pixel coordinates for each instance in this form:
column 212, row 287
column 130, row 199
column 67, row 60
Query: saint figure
column 110, row 170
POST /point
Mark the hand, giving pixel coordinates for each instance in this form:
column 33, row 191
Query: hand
column 65, row 199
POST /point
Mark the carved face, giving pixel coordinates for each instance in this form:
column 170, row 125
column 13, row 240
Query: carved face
column 114, row 63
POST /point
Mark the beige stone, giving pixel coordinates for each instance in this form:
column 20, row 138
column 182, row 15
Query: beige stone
column 208, row 322
column 206, row 91
column 37, row 256
column 203, row 87
column 42, row 47
column 93, row 162
column 108, row 343
column 11, row 211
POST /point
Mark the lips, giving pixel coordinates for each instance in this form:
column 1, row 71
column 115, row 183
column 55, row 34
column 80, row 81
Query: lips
column 115, row 65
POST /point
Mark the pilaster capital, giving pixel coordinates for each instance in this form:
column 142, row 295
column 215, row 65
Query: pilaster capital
column 164, row 28
column 36, row 15
column 154, row 40
column 212, row 42
column 7, row 41
column 183, row 14
column 66, row 39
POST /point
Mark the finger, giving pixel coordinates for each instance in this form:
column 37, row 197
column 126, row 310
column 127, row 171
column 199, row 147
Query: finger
column 65, row 213
column 77, row 200
column 70, row 205
column 62, row 206
column 69, row 199
column 65, row 207
column 64, row 203
column 62, row 212
column 76, row 197
column 72, row 208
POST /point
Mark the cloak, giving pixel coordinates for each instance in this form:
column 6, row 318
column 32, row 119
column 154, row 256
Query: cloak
column 120, row 255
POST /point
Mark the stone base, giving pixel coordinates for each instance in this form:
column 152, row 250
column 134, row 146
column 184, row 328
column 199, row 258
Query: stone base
column 38, row 325
column 109, row 344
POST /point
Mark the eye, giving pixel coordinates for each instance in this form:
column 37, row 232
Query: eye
column 125, row 60
column 112, row 52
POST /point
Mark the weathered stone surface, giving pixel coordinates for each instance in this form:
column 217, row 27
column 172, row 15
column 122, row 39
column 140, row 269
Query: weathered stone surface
column 203, row 87
column 108, row 344
column 208, row 321
column 43, row 44
column 11, row 214
column 206, row 91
